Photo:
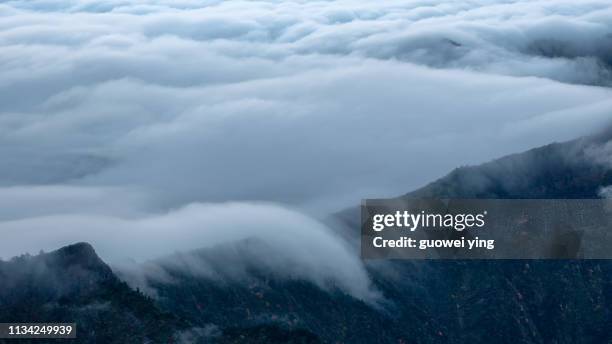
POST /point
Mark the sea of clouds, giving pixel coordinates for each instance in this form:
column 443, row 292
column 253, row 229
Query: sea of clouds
column 131, row 124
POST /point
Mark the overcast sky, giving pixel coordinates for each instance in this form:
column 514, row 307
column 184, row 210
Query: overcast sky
column 131, row 109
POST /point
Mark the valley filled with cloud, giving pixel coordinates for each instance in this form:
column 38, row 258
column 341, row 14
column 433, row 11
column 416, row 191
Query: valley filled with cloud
column 150, row 127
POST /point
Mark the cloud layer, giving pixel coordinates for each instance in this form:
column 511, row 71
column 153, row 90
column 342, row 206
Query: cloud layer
column 118, row 113
column 285, row 241
column 301, row 102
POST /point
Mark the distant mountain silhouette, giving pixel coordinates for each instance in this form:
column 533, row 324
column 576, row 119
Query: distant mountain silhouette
column 558, row 170
column 575, row 169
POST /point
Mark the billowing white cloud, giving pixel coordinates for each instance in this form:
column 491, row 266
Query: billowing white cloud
column 288, row 244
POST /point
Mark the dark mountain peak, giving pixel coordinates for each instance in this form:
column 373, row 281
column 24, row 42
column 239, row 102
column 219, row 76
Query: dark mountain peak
column 69, row 271
column 80, row 248
column 73, row 284
column 81, row 255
